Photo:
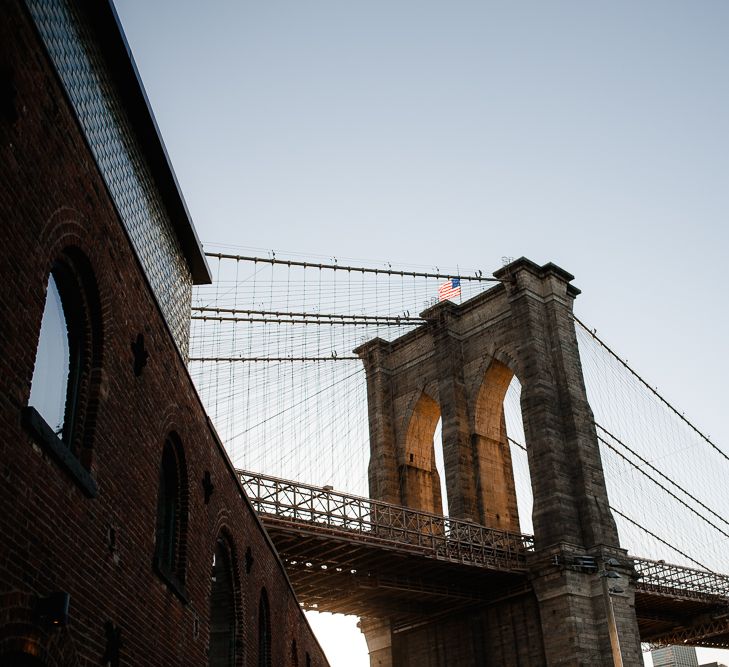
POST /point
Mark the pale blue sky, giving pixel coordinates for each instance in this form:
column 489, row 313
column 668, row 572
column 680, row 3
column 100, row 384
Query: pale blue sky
column 589, row 134
column 594, row 135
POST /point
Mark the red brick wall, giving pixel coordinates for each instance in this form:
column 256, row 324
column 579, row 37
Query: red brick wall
column 53, row 536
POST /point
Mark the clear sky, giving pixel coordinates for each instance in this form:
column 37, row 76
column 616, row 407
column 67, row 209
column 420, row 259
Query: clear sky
column 593, row 135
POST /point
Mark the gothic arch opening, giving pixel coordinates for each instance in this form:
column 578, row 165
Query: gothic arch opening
column 440, row 464
column 223, row 621
column 494, row 449
column 419, row 479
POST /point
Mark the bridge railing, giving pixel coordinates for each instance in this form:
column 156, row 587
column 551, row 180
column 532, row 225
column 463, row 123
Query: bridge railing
column 661, row 577
column 442, row 537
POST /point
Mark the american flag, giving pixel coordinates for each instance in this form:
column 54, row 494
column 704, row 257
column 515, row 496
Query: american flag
column 450, row 289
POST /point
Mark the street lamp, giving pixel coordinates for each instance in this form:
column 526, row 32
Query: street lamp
column 605, row 575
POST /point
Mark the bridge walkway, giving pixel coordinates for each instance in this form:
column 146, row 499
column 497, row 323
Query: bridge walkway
column 354, row 555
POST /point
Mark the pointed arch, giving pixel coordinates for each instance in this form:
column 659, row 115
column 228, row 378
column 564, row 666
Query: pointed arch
column 494, row 472
column 419, row 479
column 420, row 430
column 226, row 645
column 170, row 560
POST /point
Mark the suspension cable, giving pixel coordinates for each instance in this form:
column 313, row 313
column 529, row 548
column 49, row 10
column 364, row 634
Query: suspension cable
column 360, row 321
column 657, row 483
column 651, row 389
column 356, row 269
column 635, row 523
column 661, row 540
column 383, row 319
column 273, row 359
column 656, row 470
column 290, row 407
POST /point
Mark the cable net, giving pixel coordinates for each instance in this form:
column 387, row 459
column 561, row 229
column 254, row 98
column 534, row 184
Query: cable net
column 271, row 355
column 285, row 392
column 667, row 482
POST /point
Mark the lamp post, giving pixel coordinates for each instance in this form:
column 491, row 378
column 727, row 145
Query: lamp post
column 606, row 574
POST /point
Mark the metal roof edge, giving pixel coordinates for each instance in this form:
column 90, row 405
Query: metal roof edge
column 123, row 70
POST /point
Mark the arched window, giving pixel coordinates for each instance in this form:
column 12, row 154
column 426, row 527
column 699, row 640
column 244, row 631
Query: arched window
column 294, row 654
column 264, row 631
column 172, row 517
column 222, row 651
column 62, row 403
column 56, row 368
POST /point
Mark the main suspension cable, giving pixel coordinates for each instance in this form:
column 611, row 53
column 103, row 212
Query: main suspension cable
column 651, row 389
column 357, row 269
column 657, row 483
column 356, row 320
column 272, row 359
column 657, row 471
column 633, row 522
column 661, row 540
column 382, row 319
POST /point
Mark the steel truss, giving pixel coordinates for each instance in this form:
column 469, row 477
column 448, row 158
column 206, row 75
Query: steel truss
column 657, row 576
column 428, row 534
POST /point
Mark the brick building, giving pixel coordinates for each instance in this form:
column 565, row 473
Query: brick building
column 126, row 536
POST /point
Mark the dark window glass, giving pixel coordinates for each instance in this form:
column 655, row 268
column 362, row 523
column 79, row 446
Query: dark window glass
column 168, row 510
column 172, row 503
column 222, row 609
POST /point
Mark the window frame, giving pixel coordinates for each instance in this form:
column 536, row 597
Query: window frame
column 74, row 280
column 170, row 553
column 226, row 547
column 294, row 654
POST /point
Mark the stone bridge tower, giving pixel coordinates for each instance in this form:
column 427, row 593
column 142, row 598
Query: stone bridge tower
column 457, row 367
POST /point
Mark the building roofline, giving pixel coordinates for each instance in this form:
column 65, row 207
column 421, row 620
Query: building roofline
column 123, row 70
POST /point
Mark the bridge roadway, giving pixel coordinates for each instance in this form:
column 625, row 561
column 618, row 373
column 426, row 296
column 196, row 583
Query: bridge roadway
column 353, row 555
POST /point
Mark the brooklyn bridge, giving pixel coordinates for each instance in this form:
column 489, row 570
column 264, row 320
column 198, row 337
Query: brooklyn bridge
column 477, row 476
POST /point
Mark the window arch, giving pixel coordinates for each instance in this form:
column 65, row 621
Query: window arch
column 264, row 631
column 63, row 398
column 224, row 649
column 172, row 502
column 56, row 371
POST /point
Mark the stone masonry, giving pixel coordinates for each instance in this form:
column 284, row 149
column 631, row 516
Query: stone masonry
column 458, row 367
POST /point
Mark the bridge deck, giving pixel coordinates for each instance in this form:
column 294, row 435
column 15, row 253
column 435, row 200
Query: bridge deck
column 352, row 555
column 677, row 605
